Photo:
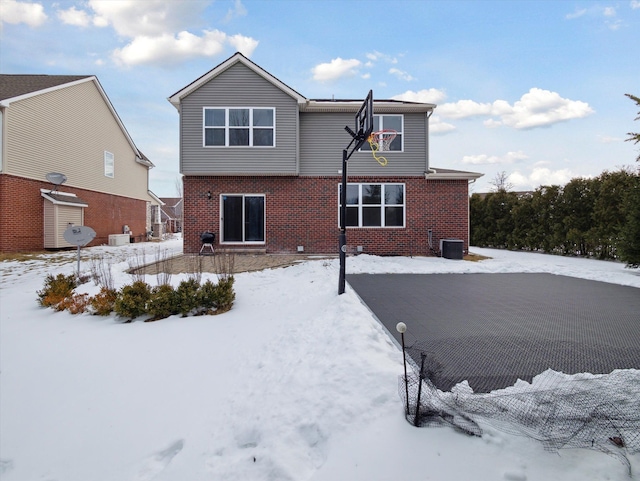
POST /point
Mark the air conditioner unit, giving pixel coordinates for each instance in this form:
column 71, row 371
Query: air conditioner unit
column 119, row 239
column 452, row 248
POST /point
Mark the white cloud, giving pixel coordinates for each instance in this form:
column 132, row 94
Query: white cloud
column 536, row 108
column 150, row 18
column 609, row 12
column 539, row 108
column 379, row 56
column 464, row 108
column 484, row 159
column 576, row 14
column 78, row 18
column 335, row 69
column 540, row 176
column 437, row 126
column 169, row 48
column 401, row 74
column 244, row 45
column 22, row 12
column 429, row 96
column 238, row 10
column 634, row 4
column 157, row 30
column 545, row 176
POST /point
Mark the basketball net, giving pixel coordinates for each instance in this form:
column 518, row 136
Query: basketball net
column 380, row 141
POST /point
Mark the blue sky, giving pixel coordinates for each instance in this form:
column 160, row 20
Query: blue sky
column 534, row 89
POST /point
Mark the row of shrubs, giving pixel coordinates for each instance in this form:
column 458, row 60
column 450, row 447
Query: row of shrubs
column 140, row 299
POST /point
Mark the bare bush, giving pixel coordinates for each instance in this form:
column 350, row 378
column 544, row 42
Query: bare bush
column 225, row 265
column 101, row 273
column 164, row 265
column 194, row 268
column 136, row 263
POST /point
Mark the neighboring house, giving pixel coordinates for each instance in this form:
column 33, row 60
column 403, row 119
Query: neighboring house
column 262, row 164
column 171, row 213
column 66, row 124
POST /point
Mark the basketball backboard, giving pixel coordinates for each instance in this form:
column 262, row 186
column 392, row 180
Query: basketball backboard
column 363, row 123
column 364, row 120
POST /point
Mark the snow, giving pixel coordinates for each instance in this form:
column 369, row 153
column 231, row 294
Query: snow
column 294, row 383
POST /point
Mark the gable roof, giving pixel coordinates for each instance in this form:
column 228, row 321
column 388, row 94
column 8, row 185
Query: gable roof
column 230, row 62
column 20, row 85
column 15, row 87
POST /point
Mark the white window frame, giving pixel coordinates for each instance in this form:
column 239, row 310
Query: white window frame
column 227, row 127
column 382, row 206
column 378, row 124
column 109, row 164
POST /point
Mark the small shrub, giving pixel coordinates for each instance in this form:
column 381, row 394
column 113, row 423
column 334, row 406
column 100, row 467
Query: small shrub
column 224, row 294
column 132, row 300
column 187, row 296
column 207, row 297
column 163, row 302
column 76, row 304
column 103, row 303
column 56, row 289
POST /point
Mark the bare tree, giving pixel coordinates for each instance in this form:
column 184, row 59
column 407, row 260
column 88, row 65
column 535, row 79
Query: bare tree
column 501, row 182
column 179, row 188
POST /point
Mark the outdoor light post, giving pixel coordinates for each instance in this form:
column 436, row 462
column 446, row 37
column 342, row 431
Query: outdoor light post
column 401, row 327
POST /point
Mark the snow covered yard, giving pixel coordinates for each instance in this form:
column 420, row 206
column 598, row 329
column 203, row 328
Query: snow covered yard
column 294, row 383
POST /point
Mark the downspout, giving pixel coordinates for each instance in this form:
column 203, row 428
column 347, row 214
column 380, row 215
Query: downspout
column 428, row 169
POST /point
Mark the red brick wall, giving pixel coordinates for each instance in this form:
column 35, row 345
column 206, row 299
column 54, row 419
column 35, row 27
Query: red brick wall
column 304, row 211
column 22, row 214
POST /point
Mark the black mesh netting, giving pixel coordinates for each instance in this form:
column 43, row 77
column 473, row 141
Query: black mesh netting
column 600, row 412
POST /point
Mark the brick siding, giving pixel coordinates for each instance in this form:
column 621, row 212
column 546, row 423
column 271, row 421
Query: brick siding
column 304, row 211
column 22, row 214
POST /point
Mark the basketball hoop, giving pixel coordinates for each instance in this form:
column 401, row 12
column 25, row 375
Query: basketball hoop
column 380, row 141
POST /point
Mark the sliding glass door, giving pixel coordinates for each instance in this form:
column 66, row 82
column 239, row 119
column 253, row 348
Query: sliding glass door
column 243, row 218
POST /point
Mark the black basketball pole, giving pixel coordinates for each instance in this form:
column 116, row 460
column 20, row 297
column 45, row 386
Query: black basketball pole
column 343, row 224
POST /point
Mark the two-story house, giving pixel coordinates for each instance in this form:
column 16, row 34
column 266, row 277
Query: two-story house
column 65, row 124
column 262, row 166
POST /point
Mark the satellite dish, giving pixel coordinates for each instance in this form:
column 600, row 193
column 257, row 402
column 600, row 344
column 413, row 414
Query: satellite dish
column 79, row 235
column 56, row 178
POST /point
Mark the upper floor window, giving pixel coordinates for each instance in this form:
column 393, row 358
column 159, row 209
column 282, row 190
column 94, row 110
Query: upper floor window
column 393, row 122
column 231, row 126
column 109, row 164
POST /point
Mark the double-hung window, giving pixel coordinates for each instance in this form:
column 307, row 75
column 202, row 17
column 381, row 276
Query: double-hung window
column 389, row 122
column 374, row 205
column 239, row 127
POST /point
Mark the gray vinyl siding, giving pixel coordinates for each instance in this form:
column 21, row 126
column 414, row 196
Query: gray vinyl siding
column 238, row 86
column 323, row 138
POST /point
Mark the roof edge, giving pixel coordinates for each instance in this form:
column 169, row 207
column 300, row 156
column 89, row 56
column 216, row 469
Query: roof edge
column 449, row 174
column 225, row 65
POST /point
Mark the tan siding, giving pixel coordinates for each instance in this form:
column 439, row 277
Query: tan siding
column 56, row 221
column 323, row 138
column 238, row 86
column 68, row 130
column 49, row 225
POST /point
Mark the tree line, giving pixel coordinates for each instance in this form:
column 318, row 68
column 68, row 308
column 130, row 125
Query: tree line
column 597, row 217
